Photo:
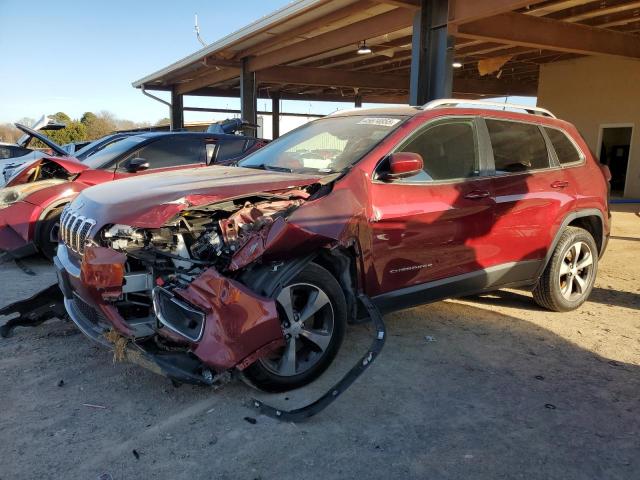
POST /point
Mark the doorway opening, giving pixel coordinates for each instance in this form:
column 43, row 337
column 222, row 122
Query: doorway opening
column 615, row 145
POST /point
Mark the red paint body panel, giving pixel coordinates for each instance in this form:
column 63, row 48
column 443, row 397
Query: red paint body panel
column 238, row 322
column 16, row 225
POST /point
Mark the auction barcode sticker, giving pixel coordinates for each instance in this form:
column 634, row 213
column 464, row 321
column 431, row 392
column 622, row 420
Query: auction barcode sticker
column 380, row 121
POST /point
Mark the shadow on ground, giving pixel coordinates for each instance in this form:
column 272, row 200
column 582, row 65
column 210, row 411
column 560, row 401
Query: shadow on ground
column 487, row 396
column 604, row 296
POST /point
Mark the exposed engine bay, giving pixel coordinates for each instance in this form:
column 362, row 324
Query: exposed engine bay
column 209, row 236
column 43, row 169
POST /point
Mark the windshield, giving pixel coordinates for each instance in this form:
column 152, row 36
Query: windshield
column 105, row 155
column 328, row 145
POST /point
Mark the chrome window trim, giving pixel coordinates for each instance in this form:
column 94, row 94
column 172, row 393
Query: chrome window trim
column 480, row 148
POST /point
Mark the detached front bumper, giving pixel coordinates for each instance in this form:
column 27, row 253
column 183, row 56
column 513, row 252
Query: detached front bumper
column 238, row 326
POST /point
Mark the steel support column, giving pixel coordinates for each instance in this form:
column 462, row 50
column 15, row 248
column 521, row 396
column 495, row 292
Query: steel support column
column 431, row 53
column 275, row 114
column 358, row 101
column 176, row 111
column 248, row 98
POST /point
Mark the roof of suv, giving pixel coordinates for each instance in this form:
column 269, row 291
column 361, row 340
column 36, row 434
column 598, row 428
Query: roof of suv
column 522, row 112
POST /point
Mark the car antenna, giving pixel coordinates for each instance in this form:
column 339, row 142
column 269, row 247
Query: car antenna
column 197, row 30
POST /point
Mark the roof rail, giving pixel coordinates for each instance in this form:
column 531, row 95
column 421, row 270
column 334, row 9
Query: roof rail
column 455, row 102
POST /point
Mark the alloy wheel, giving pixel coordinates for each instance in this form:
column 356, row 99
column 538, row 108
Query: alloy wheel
column 576, row 271
column 307, row 319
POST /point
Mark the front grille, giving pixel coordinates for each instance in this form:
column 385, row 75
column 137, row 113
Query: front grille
column 75, row 230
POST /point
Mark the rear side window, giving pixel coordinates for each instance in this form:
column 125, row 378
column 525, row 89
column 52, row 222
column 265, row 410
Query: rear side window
column 230, row 149
column 517, row 147
column 448, row 150
column 565, row 149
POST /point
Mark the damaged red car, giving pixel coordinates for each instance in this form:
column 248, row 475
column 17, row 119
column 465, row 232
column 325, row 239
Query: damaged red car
column 36, row 192
column 257, row 269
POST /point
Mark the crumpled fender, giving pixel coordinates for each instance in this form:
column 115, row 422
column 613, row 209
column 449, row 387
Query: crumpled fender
column 22, row 174
column 334, row 219
column 238, row 321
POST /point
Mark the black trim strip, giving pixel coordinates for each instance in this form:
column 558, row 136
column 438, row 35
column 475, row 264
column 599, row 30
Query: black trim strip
column 492, row 278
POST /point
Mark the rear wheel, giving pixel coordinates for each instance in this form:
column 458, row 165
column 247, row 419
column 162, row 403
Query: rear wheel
column 313, row 315
column 569, row 277
column 47, row 234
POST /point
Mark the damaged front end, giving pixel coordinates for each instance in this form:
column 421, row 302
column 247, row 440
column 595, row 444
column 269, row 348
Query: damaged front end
column 182, row 290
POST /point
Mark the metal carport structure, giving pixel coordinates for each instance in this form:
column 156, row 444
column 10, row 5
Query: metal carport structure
column 308, row 51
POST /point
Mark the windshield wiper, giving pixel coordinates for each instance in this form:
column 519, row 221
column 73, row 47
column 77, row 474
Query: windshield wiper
column 272, row 168
column 277, row 168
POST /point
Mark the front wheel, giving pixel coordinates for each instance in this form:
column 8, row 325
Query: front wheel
column 313, row 315
column 571, row 273
column 47, row 234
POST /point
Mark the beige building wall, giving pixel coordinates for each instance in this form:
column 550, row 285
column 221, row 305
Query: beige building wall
column 594, row 91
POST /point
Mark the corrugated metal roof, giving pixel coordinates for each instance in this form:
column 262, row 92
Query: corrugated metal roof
column 296, row 13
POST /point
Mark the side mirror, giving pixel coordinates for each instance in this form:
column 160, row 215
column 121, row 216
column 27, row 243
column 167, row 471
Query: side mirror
column 404, row 164
column 134, row 165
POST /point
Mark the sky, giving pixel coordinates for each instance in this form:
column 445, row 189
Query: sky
column 78, row 56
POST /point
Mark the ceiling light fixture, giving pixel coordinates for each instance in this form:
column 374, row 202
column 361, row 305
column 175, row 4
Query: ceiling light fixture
column 363, row 49
column 456, row 65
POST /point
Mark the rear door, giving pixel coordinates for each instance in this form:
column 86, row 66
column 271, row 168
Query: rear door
column 433, row 225
column 531, row 195
column 168, row 153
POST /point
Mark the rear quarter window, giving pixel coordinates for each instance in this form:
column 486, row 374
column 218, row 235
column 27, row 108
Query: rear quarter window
column 566, row 151
column 517, row 147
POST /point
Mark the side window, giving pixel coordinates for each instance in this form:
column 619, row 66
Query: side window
column 448, row 149
column 517, row 147
column 565, row 149
column 229, row 149
column 172, row 151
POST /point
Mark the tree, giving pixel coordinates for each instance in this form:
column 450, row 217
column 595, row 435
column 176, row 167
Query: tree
column 163, row 121
column 61, row 117
column 98, row 125
column 9, row 133
column 88, row 117
column 74, row 132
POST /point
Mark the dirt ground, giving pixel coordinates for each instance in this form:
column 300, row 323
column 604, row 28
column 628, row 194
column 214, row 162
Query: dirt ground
column 484, row 388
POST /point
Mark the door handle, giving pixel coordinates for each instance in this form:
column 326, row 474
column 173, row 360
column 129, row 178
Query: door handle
column 477, row 194
column 560, row 184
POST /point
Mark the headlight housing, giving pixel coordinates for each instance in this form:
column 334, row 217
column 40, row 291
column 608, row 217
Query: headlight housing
column 11, row 195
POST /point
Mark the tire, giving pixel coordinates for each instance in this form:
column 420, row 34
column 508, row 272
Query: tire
column 46, row 233
column 563, row 286
column 302, row 360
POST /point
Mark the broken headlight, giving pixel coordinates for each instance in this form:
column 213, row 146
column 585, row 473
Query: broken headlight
column 11, row 195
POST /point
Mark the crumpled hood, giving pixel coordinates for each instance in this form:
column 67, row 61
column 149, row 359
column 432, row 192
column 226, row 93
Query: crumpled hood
column 149, row 201
column 16, row 174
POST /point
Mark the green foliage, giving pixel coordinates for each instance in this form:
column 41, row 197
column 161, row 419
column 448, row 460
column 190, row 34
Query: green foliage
column 88, row 117
column 61, row 117
column 98, row 125
column 74, row 131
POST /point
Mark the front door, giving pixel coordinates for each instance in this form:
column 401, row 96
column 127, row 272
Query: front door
column 433, row 225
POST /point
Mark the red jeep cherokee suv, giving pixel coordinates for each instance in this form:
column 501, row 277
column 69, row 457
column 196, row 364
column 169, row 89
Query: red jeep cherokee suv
column 257, row 268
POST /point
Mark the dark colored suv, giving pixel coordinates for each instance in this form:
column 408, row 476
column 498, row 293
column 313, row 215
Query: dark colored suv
column 258, row 269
